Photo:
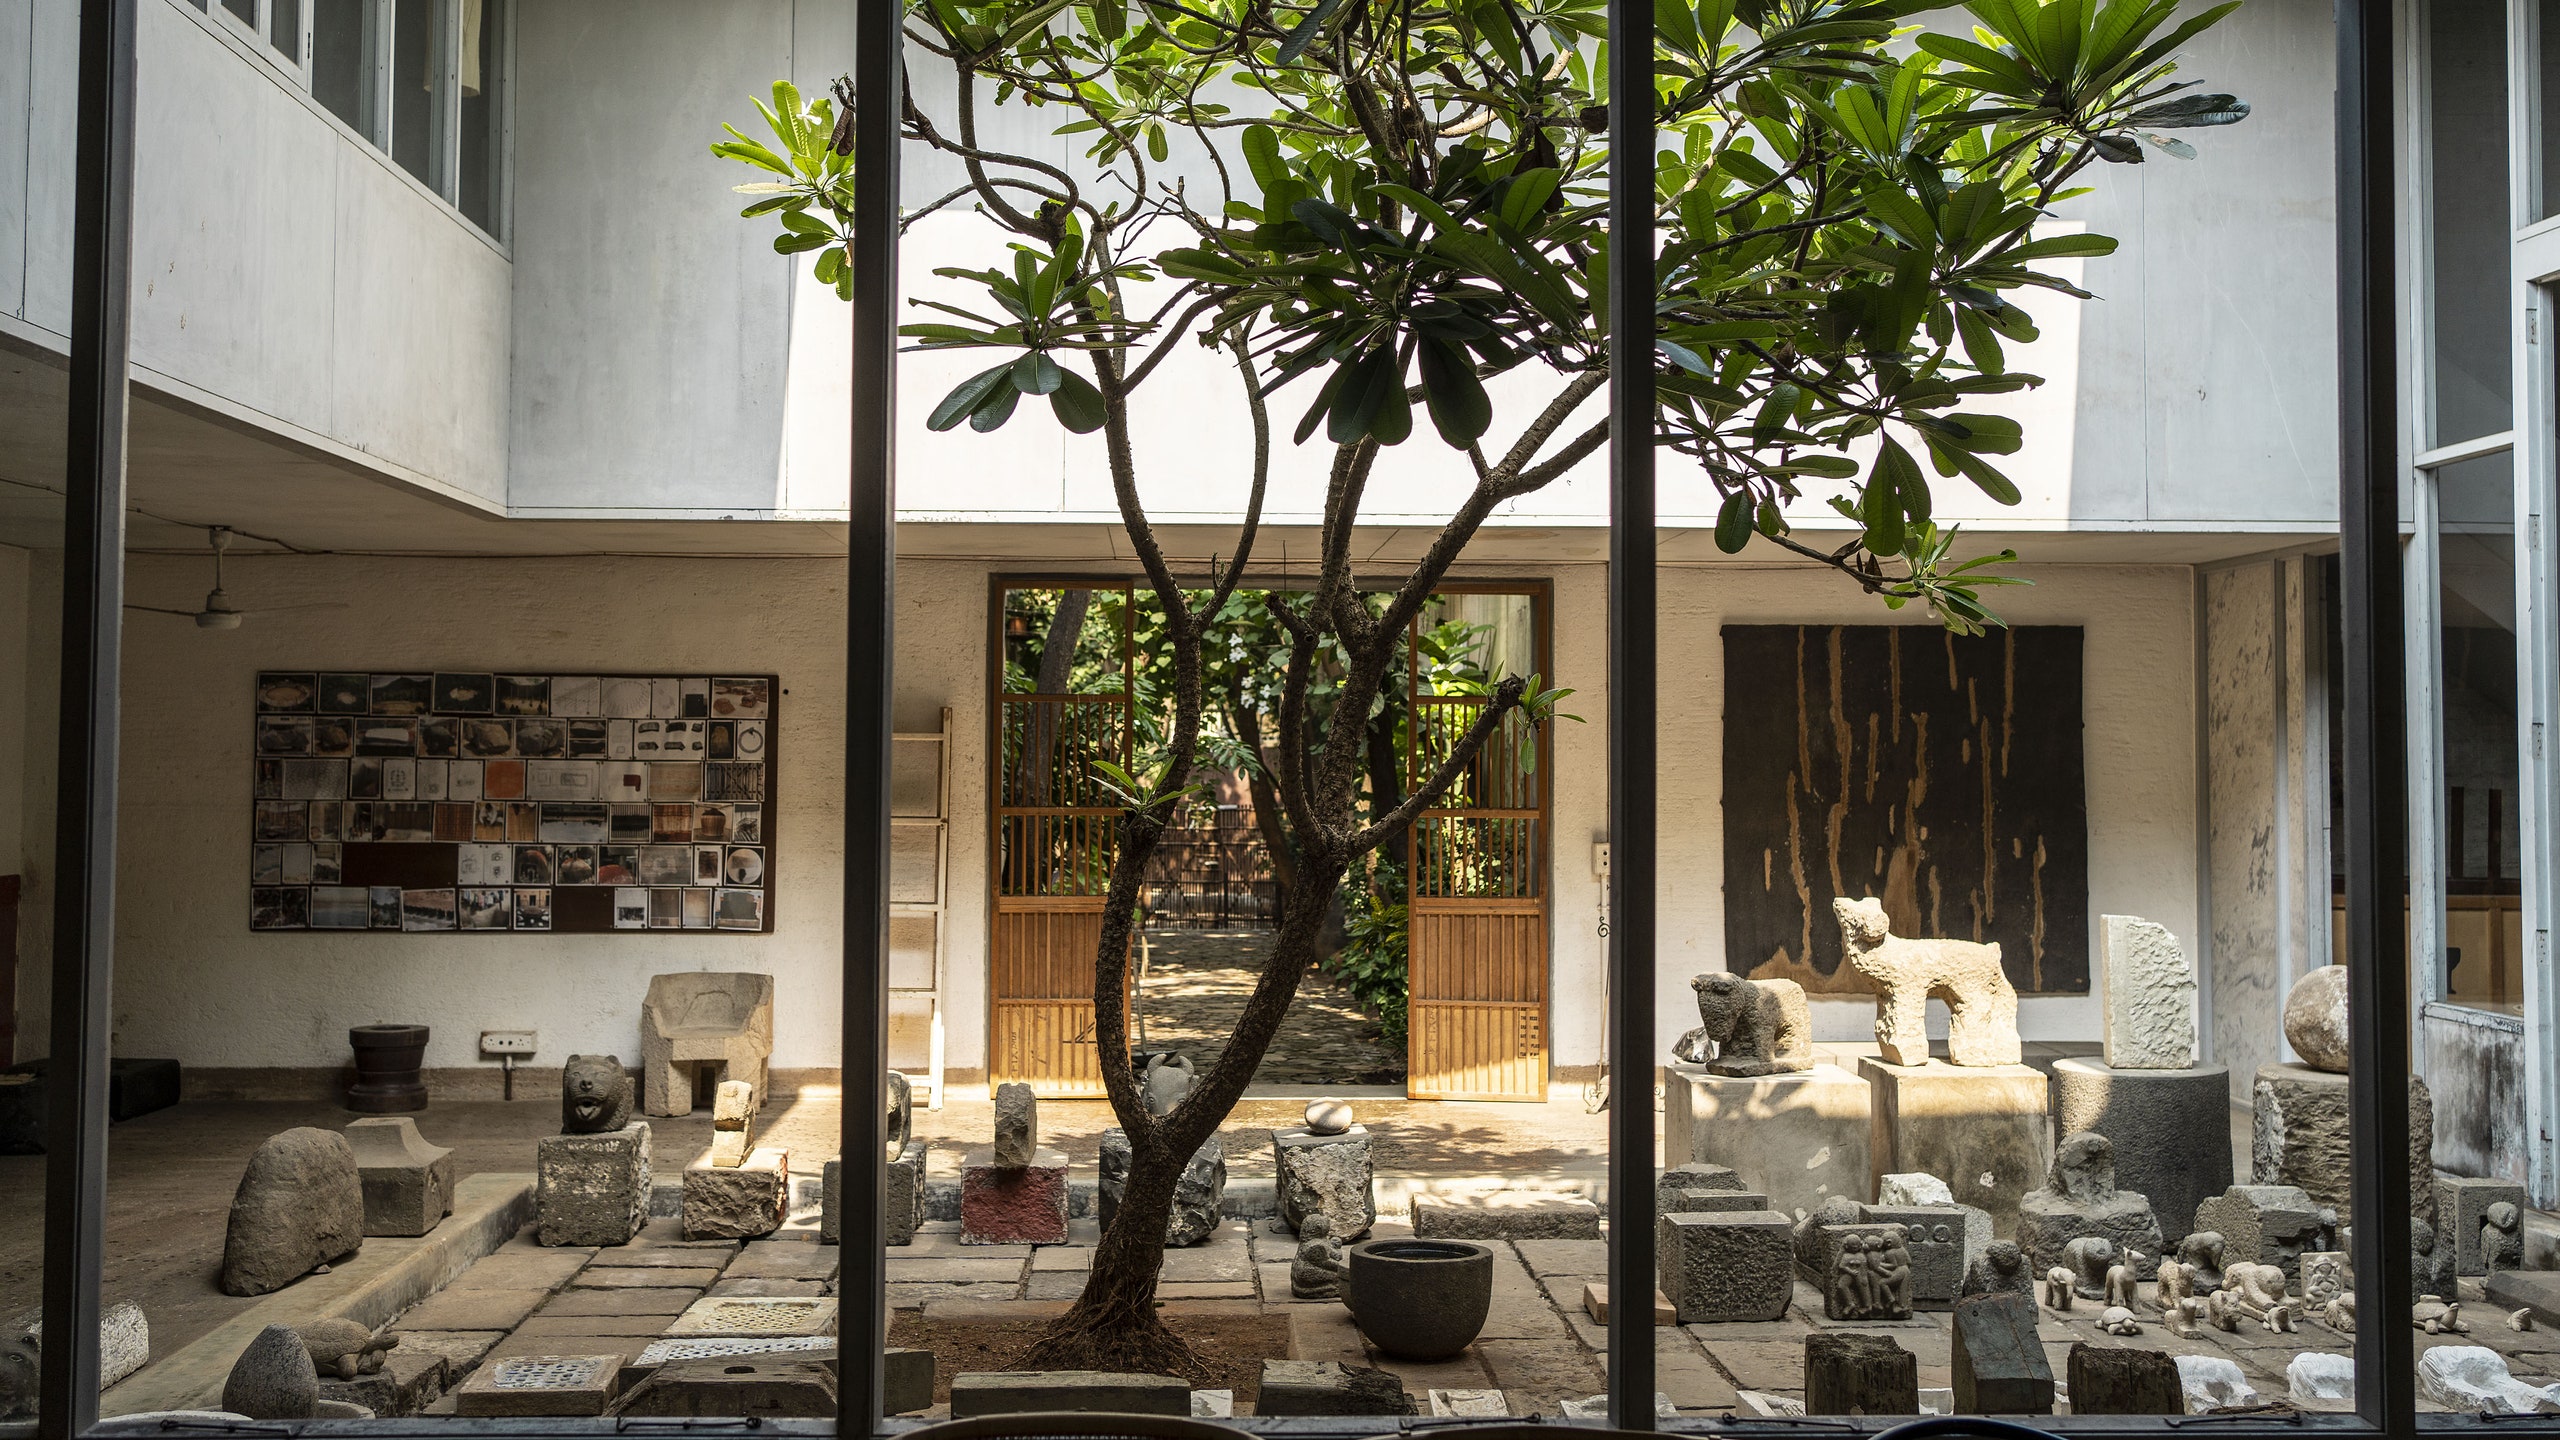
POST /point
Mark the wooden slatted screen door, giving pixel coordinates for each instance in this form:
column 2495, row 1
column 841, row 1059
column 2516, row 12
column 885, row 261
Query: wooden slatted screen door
column 1055, row 715
column 1476, row 883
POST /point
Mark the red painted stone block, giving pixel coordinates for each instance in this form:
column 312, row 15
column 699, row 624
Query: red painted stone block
column 1003, row 1206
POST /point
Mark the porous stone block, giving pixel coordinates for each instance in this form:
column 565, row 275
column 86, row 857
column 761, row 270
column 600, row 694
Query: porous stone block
column 2300, row 1131
column 1328, row 1175
column 1936, row 1238
column 2150, row 997
column 1801, row 1138
column 2462, row 1206
column 1998, row 1362
column 2262, row 1224
column 1846, row 1373
column 732, row 1317
column 792, row 1387
column 1328, row 1387
column 2107, row 1381
column 592, row 1189
column 1695, row 1202
column 1014, row 1205
column 751, row 1199
column 1509, row 1215
column 1016, row 1392
column 1673, row 1184
column 901, row 1197
column 300, row 1204
column 2080, row 1199
column 1737, row 1265
column 1981, row 1126
column 408, row 1183
column 541, row 1385
column 1913, row 1189
column 1196, row 1192
column 907, row 1381
column 2168, row 1127
column 408, row 1382
column 1017, row 1125
column 695, row 1347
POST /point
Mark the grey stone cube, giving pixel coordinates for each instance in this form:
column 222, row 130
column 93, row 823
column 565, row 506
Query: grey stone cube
column 408, row 1183
column 2265, row 1224
column 1698, row 1202
column 592, row 1189
column 909, row 1376
column 1736, row 1265
column 901, row 1197
column 1331, row 1175
column 2462, row 1205
column 1936, row 1237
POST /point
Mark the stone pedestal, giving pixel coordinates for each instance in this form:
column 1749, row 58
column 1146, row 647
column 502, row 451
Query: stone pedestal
column 2169, row 1128
column 408, row 1183
column 1940, row 1249
column 1008, row 1205
column 1329, row 1175
column 592, row 1189
column 901, row 1197
column 1982, row 1127
column 1195, row 1195
column 1800, row 1139
column 2262, row 1225
column 2110, row 1381
column 1999, row 1362
column 2461, row 1206
column 2300, row 1137
column 1735, row 1265
column 737, row 1202
column 1851, row 1374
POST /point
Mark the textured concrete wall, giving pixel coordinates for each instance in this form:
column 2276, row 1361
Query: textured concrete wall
column 2474, row 1064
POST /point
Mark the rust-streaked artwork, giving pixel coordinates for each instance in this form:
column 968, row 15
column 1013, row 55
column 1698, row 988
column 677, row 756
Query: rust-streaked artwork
column 1940, row 774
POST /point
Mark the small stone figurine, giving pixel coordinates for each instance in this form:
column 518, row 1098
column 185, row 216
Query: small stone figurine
column 2119, row 1321
column 2438, row 1316
column 1748, row 1027
column 2057, row 1289
column 344, row 1348
column 2120, row 1280
column 2340, row 1314
column 2177, row 1282
column 1167, row 1080
column 2501, row 1238
column 1318, row 1271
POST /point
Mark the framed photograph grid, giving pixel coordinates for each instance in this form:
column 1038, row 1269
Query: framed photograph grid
column 428, row 801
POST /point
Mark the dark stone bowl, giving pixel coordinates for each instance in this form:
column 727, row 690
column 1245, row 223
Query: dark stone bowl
column 388, row 1058
column 1420, row 1299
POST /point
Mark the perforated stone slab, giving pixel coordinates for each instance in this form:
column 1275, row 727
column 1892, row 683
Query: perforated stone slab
column 736, row 1315
column 541, row 1385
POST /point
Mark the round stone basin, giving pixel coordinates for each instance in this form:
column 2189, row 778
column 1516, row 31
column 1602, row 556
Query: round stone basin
column 1420, row 1299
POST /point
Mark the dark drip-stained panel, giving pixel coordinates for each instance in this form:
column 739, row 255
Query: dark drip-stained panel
column 1938, row 773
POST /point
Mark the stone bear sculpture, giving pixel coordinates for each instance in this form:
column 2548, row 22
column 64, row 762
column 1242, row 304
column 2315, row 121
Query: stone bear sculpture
column 19, row 1367
column 1748, row 1027
column 1982, row 1009
column 1166, row 1080
column 595, row 1095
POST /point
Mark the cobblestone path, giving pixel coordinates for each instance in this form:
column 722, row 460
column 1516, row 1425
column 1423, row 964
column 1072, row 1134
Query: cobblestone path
column 1196, row 987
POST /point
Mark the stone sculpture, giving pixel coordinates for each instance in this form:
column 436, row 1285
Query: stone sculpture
column 1870, row 1277
column 2150, row 996
column 2117, row 1320
column 1017, row 1124
column 344, row 1348
column 1328, row 1117
column 273, row 1379
column 20, row 1367
column 595, row 1095
column 2121, row 1277
column 2001, row 1269
column 1165, row 1081
column 2340, row 1314
column 2174, row 1287
column 2439, row 1316
column 2087, row 1260
column 2268, row 1224
column 732, row 1112
column 2475, row 1378
column 2201, row 1253
column 1913, row 1188
column 695, row 1018
column 2080, row 1200
column 300, row 1205
column 2057, row 1289
column 1319, row 1269
column 2324, row 1278
column 2312, row 1375
column 408, row 1183
column 1748, row 1027
column 2315, row 1018
column 2520, row 1319
column 1015, row 1191
column 2501, row 1238
column 2258, row 1292
column 897, row 1115
column 1982, row 1024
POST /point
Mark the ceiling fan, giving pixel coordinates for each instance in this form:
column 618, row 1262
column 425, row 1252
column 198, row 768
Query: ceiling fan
column 218, row 612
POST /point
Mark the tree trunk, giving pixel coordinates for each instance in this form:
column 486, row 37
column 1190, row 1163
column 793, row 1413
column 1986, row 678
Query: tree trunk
column 1267, row 820
column 1386, row 779
column 1057, row 662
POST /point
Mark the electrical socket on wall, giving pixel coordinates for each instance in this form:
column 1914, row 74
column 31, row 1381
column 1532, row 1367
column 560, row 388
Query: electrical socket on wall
column 506, row 1042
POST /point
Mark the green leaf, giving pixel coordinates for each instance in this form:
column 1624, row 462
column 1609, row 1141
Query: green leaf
column 1460, row 409
column 967, row 396
column 1304, row 34
column 1077, row 404
column 1261, row 146
column 996, row 409
column 1734, row 522
column 1037, row 374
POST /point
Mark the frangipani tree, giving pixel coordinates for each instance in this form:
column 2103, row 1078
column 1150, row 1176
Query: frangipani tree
column 1410, row 207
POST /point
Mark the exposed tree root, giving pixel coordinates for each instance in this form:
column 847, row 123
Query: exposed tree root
column 1114, row 1338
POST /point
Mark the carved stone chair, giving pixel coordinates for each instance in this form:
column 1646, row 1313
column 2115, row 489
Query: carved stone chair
column 721, row 1019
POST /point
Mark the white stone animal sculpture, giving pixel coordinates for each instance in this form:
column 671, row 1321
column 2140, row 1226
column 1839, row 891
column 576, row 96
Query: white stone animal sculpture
column 2177, row 1282
column 2340, row 1314
column 2262, row 1286
column 2520, row 1319
column 2119, row 1321
column 2437, row 1316
column 2057, row 1288
column 1982, row 1009
column 2121, row 1278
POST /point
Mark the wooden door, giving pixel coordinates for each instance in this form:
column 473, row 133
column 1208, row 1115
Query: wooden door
column 1055, row 832
column 1477, row 898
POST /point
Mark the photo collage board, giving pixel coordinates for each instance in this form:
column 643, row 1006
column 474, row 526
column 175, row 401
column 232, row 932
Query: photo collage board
column 438, row 800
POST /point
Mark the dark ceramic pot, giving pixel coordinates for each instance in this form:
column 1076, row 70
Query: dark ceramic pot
column 387, row 1061
column 1420, row 1299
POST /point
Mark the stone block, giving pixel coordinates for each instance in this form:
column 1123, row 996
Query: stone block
column 660, row 1352
column 1508, row 1215
column 733, row 1105
column 728, row 1317
column 1981, row 1126
column 782, row 1386
column 408, row 1382
column 541, row 1385
column 1329, row 1387
column 2168, row 1127
column 1016, row 1392
column 750, row 1200
column 901, row 1197
column 1839, row 1261
column 1017, row 1126
column 2108, row 1381
column 1196, row 1193
column 1672, row 1184
column 1013, row 1205
column 1846, row 1373
column 907, row 1381
column 2534, row 1290
column 2299, row 1137
column 1913, row 1189
column 728, row 1149
column 1700, row 1202
column 1329, row 1175
column 1595, row 1303
column 2080, row 1199
column 592, row 1189
column 2262, row 1224
column 1936, row 1237
column 2462, row 1205
column 1997, row 1360
column 408, row 1183
column 1802, row 1138
column 696, row 1018
column 2149, row 1003
column 1737, row 1265
column 300, row 1205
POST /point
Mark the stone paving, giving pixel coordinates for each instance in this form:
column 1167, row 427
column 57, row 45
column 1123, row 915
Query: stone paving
column 1196, row 987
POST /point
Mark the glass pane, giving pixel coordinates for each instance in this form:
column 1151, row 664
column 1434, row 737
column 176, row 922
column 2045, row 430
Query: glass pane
column 284, row 29
column 342, row 45
column 2483, row 956
column 2546, row 192
column 413, row 79
column 483, row 154
column 2470, row 315
column 247, row 10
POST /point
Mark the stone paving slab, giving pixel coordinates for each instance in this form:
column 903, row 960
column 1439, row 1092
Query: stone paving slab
column 461, row 1349
column 902, row 1271
column 667, row 1233
column 1062, row 1257
column 1540, row 1375
column 1325, row 1332
column 663, row 1257
column 626, row 1346
column 1213, row 1261
column 1691, row 1380
column 920, row 1294
column 1194, row 1290
column 472, row 1310
column 933, row 1244
column 508, row 1268
column 1564, row 1257
column 617, row 1277
column 783, row 1260
column 653, row 1301
column 568, row 1326
column 754, row 1286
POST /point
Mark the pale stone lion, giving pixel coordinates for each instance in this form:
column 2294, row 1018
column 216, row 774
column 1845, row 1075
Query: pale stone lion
column 1982, row 1026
